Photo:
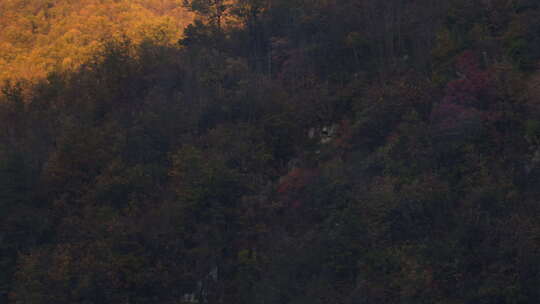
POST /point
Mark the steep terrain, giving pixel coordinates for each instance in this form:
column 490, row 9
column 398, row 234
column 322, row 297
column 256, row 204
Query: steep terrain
column 283, row 152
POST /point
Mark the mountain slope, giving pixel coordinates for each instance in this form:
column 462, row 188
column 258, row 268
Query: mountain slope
column 315, row 151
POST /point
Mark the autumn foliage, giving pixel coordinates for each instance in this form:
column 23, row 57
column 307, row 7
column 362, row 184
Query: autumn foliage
column 272, row 152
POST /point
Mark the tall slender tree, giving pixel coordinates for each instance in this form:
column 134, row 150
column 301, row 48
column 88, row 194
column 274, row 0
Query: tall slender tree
column 214, row 11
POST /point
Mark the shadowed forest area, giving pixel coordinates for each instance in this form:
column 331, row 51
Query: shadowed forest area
column 274, row 152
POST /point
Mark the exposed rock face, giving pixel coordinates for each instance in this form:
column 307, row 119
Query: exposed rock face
column 325, row 134
column 328, row 133
column 201, row 292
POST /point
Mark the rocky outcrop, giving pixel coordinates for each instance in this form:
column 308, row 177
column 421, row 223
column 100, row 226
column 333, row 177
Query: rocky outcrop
column 324, row 134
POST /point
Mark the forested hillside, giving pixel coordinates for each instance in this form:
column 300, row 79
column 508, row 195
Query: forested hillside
column 39, row 36
column 281, row 152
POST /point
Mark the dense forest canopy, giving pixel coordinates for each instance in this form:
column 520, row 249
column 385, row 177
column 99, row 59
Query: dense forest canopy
column 39, row 36
column 272, row 152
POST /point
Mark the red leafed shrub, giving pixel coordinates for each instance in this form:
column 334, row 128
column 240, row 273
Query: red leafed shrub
column 474, row 88
column 292, row 185
column 467, row 63
column 296, row 179
column 467, row 99
column 345, row 135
